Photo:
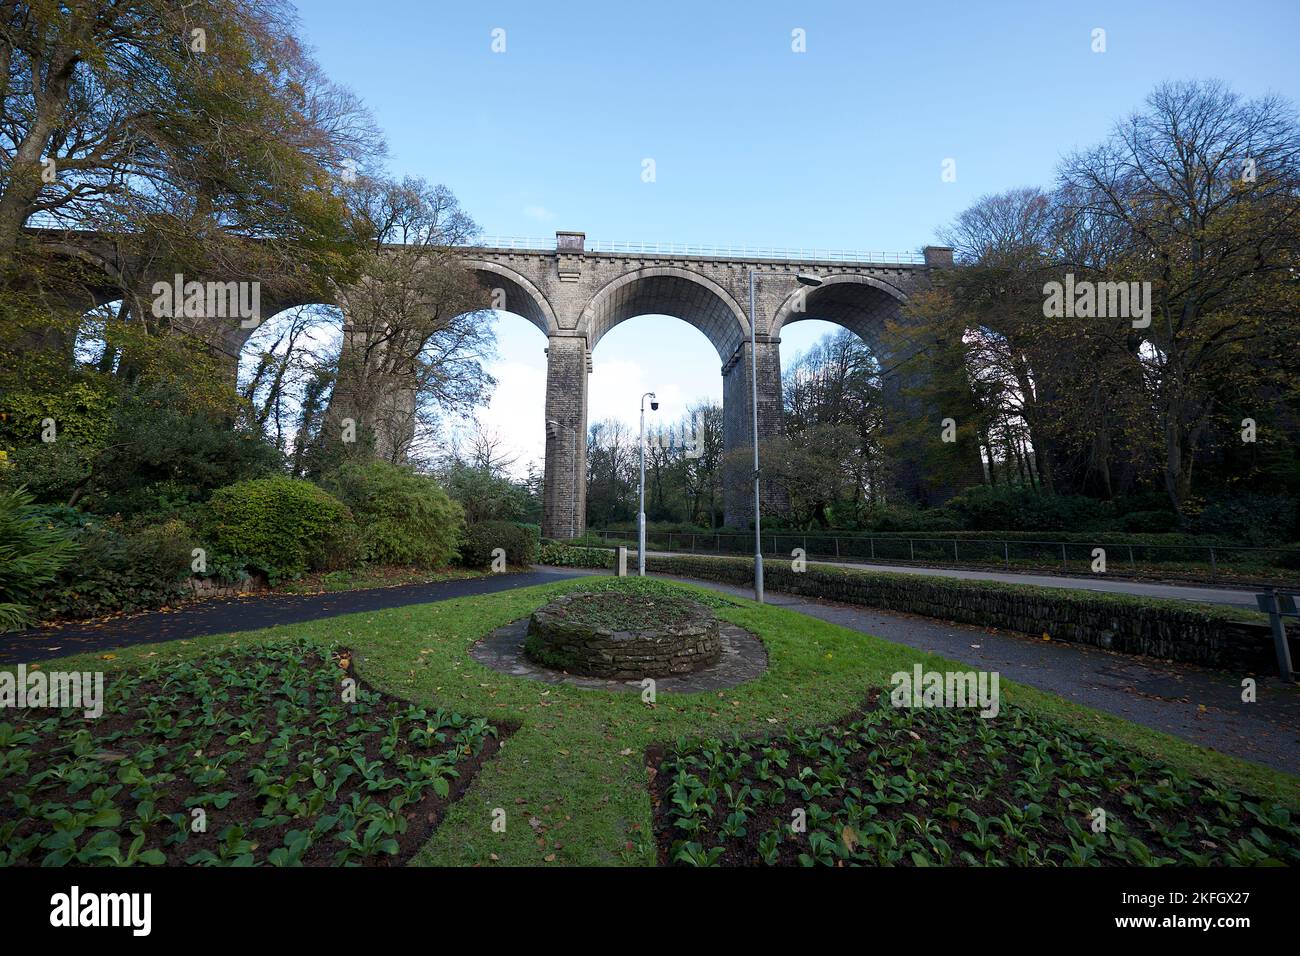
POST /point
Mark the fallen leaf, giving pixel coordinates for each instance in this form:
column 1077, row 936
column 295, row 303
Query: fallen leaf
column 850, row 838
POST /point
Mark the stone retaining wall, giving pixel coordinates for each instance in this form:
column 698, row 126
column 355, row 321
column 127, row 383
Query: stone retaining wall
column 1213, row 636
column 665, row 651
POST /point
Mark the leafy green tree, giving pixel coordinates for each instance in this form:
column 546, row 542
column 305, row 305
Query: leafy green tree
column 112, row 109
column 485, row 495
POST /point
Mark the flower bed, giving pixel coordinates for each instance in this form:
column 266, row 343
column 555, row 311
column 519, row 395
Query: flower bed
column 936, row 786
column 234, row 761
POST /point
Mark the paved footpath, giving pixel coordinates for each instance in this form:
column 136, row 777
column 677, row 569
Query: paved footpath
column 1203, row 593
column 1197, row 704
column 244, row 614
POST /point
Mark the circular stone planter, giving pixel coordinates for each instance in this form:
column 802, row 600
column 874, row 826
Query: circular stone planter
column 562, row 635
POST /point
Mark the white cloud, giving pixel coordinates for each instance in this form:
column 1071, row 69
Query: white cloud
column 516, row 412
column 661, row 355
column 540, row 213
column 615, row 388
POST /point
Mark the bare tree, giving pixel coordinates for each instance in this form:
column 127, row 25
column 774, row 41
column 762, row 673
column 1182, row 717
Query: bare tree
column 416, row 328
column 1203, row 185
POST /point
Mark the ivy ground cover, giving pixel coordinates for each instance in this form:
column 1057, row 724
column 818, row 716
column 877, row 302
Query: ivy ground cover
column 571, row 786
column 274, row 756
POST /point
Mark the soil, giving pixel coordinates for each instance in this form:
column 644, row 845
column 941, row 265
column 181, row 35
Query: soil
column 422, row 817
column 625, row 612
column 744, row 851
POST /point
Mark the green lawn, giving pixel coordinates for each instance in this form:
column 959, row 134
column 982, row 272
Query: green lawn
column 572, row 779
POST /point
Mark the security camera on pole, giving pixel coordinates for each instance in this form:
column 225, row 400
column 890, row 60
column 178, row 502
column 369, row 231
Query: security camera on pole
column 640, row 522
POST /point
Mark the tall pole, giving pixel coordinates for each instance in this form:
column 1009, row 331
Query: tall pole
column 753, row 404
column 640, row 520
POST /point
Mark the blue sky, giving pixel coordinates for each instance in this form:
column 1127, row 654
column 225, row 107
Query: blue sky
column 840, row 146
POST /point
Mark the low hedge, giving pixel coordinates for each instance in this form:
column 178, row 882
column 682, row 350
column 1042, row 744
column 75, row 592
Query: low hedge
column 1206, row 634
column 564, row 556
column 481, row 538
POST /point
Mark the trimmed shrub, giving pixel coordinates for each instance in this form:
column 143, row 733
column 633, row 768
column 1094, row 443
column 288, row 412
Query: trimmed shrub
column 402, row 517
column 32, row 550
column 481, row 538
column 281, row 526
column 563, row 556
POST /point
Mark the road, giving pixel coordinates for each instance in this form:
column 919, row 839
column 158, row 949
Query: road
column 1181, row 592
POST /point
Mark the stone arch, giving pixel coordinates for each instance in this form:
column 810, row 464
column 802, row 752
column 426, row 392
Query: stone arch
column 858, row 303
column 522, row 297
column 863, row 304
column 665, row 290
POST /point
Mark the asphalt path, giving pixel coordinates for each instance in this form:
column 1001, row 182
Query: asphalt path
column 249, row 613
column 1183, row 592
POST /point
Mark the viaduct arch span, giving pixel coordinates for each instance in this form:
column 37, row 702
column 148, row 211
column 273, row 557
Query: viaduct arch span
column 575, row 293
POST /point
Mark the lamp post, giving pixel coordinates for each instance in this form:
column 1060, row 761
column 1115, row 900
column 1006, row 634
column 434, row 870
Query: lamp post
column 555, row 426
column 640, row 523
column 802, row 279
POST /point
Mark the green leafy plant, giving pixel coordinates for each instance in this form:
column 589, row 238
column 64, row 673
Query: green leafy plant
column 518, row 541
column 32, row 551
column 402, row 517
column 883, row 788
column 303, row 788
column 282, row 526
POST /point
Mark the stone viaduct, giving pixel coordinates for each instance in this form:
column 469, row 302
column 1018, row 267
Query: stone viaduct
column 575, row 292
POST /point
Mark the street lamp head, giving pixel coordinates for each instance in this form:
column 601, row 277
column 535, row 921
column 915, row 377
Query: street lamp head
column 805, row 279
column 654, row 405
